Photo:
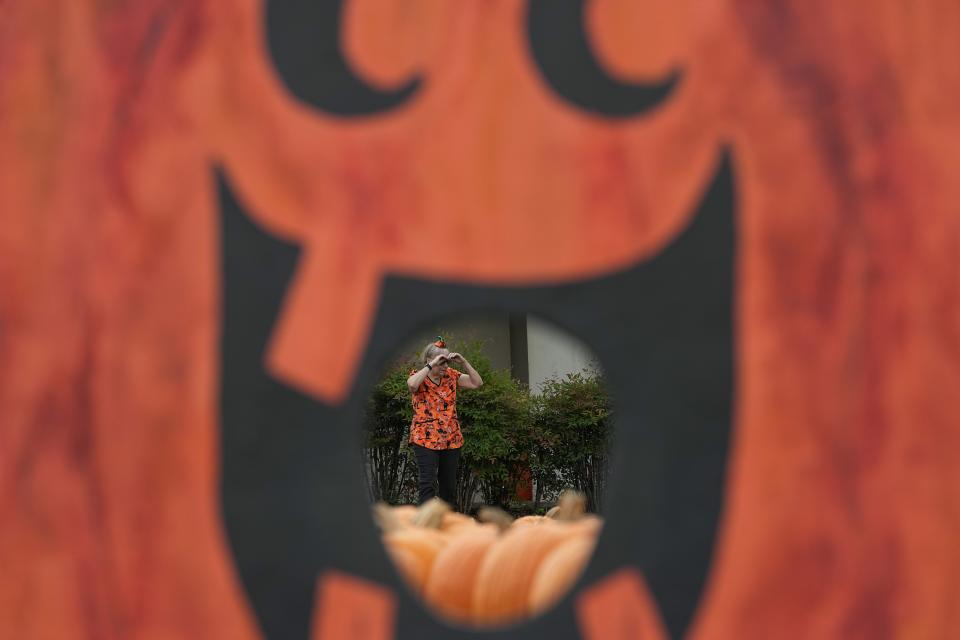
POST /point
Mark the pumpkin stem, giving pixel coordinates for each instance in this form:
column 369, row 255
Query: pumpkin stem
column 385, row 518
column 571, row 507
column 430, row 514
column 496, row 516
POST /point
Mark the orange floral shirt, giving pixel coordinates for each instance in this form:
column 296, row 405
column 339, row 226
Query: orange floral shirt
column 435, row 423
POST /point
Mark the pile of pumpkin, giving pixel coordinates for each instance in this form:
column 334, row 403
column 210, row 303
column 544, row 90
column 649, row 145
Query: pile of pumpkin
column 494, row 569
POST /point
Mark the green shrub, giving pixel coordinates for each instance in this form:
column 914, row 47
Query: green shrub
column 391, row 470
column 495, row 423
column 573, row 418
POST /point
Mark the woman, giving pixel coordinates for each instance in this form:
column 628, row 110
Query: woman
column 435, row 432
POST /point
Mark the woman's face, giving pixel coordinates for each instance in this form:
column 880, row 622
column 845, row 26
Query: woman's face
column 441, row 368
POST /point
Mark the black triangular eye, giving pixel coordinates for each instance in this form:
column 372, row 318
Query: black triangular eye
column 559, row 45
column 304, row 41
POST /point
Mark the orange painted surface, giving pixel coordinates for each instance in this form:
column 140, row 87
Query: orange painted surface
column 844, row 498
column 619, row 607
column 348, row 607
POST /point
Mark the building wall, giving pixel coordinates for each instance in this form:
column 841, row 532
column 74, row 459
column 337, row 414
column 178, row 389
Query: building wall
column 552, row 352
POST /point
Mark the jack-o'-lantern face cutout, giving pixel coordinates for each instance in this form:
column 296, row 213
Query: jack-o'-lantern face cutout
column 554, row 187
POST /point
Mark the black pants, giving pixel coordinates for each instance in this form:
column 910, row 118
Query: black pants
column 437, row 467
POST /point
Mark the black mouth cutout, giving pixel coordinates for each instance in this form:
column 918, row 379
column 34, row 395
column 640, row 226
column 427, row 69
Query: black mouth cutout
column 294, row 503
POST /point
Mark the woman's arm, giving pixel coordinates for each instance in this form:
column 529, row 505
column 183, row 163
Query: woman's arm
column 469, row 380
column 416, row 379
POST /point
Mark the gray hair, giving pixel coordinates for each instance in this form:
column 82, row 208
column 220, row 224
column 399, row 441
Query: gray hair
column 431, row 351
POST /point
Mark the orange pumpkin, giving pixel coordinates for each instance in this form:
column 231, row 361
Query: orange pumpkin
column 454, row 520
column 415, row 550
column 559, row 570
column 528, row 520
column 467, row 572
column 452, row 581
column 504, row 580
column 412, row 563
